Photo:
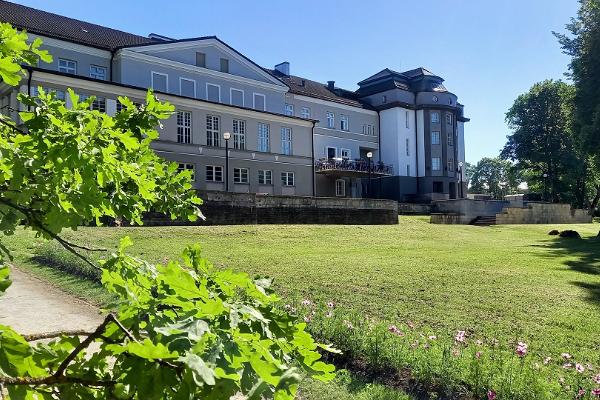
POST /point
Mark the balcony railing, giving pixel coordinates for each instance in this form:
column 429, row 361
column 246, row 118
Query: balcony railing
column 338, row 166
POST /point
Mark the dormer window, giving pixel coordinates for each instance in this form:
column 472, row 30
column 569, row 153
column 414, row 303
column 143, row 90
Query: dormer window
column 200, row 60
column 225, row 65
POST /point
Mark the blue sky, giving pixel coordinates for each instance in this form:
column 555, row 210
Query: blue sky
column 488, row 51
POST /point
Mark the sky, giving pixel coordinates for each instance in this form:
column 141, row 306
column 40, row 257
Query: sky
column 487, row 51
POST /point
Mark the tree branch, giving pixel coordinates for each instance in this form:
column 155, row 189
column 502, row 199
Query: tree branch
column 53, row 380
column 55, row 334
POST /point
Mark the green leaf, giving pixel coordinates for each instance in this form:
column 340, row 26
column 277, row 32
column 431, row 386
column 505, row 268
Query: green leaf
column 5, row 281
column 201, row 372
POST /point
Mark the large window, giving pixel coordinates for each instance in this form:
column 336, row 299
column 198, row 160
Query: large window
column 435, row 117
column 263, row 137
column 201, row 60
column 436, row 164
column 340, row 188
column 435, row 137
column 67, row 66
column 330, row 119
column 265, row 177
column 239, row 134
column 289, row 110
column 369, row 129
column 213, row 92
column 236, row 97
column 212, row 130
column 259, row 101
column 305, row 112
column 344, row 124
column 160, row 82
column 451, row 165
column 184, row 127
column 286, row 141
column 240, row 175
column 99, row 104
column 98, row 72
column 345, row 153
column 450, row 139
column 449, row 119
column 224, row 65
column 214, row 173
column 287, row 178
column 187, row 87
column 187, row 167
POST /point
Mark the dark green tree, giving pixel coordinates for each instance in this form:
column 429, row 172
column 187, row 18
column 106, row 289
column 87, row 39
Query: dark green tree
column 542, row 144
column 493, row 176
column 582, row 43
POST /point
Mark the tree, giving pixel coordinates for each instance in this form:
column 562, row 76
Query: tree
column 542, row 144
column 493, row 176
column 583, row 45
column 179, row 331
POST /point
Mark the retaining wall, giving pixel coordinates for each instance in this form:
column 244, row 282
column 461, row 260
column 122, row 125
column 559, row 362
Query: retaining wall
column 543, row 213
column 414, row 209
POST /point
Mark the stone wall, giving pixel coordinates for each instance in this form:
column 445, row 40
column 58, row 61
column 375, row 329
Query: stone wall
column 469, row 208
column 414, row 209
column 543, row 213
column 221, row 208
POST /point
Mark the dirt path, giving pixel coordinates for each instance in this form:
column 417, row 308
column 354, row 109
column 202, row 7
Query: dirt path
column 31, row 305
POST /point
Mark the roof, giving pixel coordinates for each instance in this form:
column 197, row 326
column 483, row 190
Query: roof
column 310, row 88
column 57, row 26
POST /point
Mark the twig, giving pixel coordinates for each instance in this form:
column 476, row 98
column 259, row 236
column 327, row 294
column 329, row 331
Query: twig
column 50, row 335
column 52, row 380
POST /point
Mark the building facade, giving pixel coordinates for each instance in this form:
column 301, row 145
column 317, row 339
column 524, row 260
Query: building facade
column 399, row 136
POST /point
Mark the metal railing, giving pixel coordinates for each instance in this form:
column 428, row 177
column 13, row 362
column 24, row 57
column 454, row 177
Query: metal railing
column 359, row 165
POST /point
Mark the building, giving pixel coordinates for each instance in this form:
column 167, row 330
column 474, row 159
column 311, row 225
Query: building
column 399, row 136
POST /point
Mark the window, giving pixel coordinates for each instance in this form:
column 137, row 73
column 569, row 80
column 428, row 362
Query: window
column 305, row 112
column 259, row 101
column 97, row 72
column 340, row 188
column 287, row 178
column 120, row 106
column 184, row 127
column 450, row 139
column 67, row 66
column 212, row 130
column 407, row 169
column 236, row 97
column 99, row 104
column 224, row 65
column 344, row 122
column 265, row 177
column 263, row 137
column 449, row 119
column 213, row 92
column 200, row 60
column 384, row 99
column 407, row 147
column 436, row 164
column 435, row 117
column 406, row 119
column 159, row 82
column 435, row 137
column 345, row 154
column 330, row 119
column 239, row 134
column 369, row 130
column 438, row 187
column 214, row 173
column 187, row 167
column 60, row 94
column 240, row 175
column 435, row 99
column 289, row 110
column 451, row 165
column 187, row 87
column 286, row 141
column 331, row 152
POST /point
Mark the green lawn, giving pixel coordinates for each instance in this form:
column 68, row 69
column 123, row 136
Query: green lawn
column 502, row 281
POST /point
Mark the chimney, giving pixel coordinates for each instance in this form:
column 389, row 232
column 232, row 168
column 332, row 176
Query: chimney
column 284, row 68
column 331, row 85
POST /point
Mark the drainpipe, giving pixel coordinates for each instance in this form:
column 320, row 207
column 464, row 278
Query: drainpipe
column 30, row 75
column 312, row 156
column 417, row 144
column 379, row 130
column 112, row 57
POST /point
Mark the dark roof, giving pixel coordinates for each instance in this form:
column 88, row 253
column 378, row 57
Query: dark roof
column 310, row 88
column 56, row 26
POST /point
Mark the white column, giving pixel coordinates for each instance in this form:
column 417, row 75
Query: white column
column 111, row 107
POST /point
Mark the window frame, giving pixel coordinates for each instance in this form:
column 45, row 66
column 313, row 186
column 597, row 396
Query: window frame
column 189, row 80
column 65, row 69
column 330, row 121
column 438, row 136
column 264, row 137
column 340, row 193
column 305, row 115
column 204, row 59
column 215, row 85
column 264, row 97
column 285, row 179
column 435, row 120
column 224, row 62
column 231, row 90
column 214, row 169
column 344, row 123
column 287, row 142
column 265, row 181
column 100, row 67
column 327, row 152
column 439, row 163
column 450, row 165
column 241, row 178
column 450, row 139
column 348, row 156
column 213, row 136
column 288, row 109
column 184, row 129
column 152, row 73
column 239, row 135
column 449, row 119
column 186, row 166
column 99, row 104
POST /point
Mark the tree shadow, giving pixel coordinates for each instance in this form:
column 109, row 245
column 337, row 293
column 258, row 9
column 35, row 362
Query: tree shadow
column 583, row 256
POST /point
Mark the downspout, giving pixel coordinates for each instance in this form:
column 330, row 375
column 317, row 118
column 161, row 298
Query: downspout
column 379, row 130
column 417, row 145
column 312, row 156
column 30, row 75
column 112, row 57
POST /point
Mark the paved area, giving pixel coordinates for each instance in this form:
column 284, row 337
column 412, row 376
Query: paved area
column 31, row 305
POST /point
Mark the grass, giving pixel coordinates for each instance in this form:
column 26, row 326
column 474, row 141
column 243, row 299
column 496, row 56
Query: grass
column 505, row 282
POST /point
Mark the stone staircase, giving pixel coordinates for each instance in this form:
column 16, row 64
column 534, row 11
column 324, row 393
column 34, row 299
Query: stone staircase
column 484, row 220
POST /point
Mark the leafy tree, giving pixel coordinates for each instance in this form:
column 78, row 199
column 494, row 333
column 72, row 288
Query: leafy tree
column 542, row 144
column 583, row 45
column 180, row 331
column 493, row 176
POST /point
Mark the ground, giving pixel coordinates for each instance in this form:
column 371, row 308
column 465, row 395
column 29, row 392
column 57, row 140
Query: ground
column 500, row 281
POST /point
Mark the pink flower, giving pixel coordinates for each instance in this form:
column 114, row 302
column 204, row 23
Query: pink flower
column 460, row 336
column 432, row 337
column 580, row 394
column 547, row 360
column 579, row 368
column 491, row 395
column 566, row 356
column 306, row 302
column 567, row 365
column 521, row 349
column 330, row 304
column 595, row 392
column 307, row 319
column 478, row 355
column 410, row 324
column 596, row 379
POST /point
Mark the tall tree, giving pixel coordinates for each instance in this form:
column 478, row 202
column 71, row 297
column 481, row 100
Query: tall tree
column 542, row 144
column 583, row 45
column 493, row 176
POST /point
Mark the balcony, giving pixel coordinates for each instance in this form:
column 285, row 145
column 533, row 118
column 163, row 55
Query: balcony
column 352, row 168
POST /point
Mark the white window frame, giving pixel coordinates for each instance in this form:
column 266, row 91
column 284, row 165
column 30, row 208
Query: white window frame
column 213, row 84
column 152, row 73
column 288, row 109
column 67, row 68
column 184, row 127
column 344, row 123
column 99, row 104
column 254, row 95
column 285, row 179
column 187, row 166
column 435, row 120
column 266, row 139
column 231, row 90
column 450, row 139
column 239, row 135
column 98, row 67
column 327, row 151
column 305, row 112
column 449, row 119
column 189, row 80
column 438, row 136
column 286, row 140
column 338, row 192
column 439, row 164
column 212, row 133
column 348, row 155
column 265, row 181
column 450, row 165
column 330, row 121
column 214, row 173
column 239, row 177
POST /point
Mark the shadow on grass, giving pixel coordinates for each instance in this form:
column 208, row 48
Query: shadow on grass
column 583, row 256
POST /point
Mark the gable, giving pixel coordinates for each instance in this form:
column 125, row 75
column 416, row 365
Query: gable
column 185, row 52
